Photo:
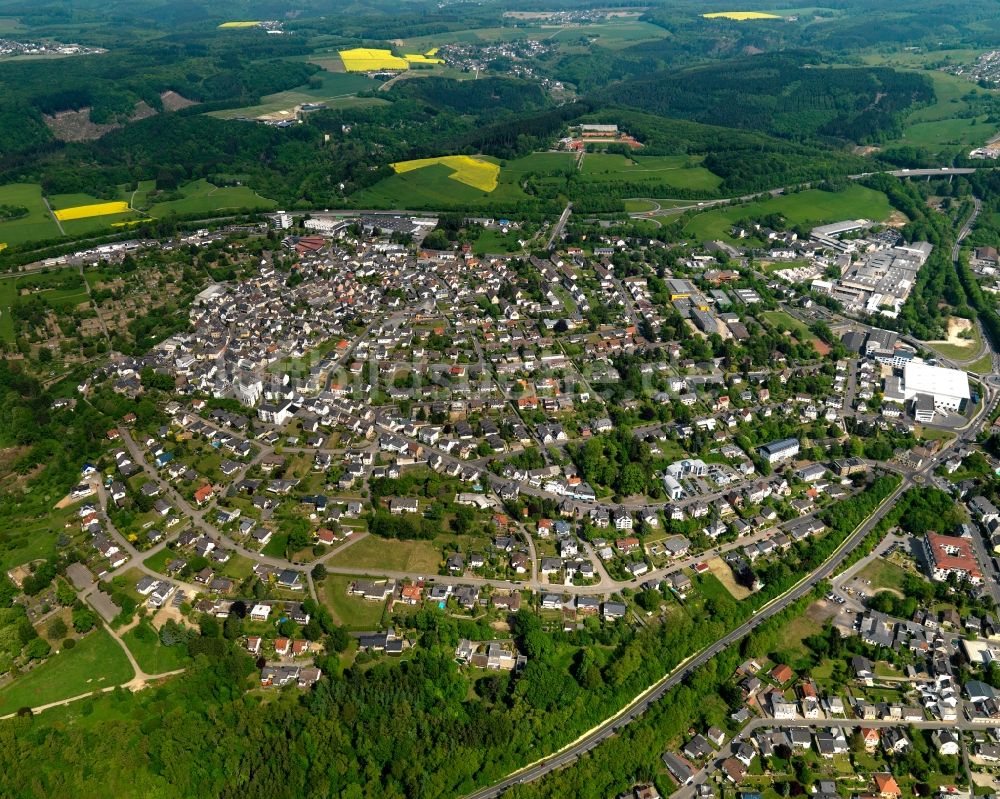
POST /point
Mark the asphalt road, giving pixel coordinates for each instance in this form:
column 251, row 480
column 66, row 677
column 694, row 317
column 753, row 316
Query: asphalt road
column 642, row 703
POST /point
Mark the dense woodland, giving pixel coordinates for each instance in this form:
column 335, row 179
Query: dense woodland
column 785, row 94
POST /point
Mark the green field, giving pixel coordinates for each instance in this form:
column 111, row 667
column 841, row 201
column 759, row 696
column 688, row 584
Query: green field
column 811, row 207
column 335, row 86
column 430, row 187
column 202, row 197
column 614, row 35
column 96, row 662
column 884, row 574
column 353, row 612
column 949, row 121
column 38, row 224
column 151, row 655
column 7, row 294
column 677, row 171
column 373, row 552
column 786, row 321
column 32, row 539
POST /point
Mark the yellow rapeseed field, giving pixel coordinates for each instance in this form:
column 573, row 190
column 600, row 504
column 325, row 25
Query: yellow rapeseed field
column 240, row 24
column 87, row 211
column 364, row 59
column 472, row 171
column 2, row 246
column 741, row 15
column 422, row 59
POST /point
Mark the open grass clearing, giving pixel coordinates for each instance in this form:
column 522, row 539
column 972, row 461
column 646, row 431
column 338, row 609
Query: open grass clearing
column 883, row 574
column 152, row 656
column 36, row 224
column 677, row 171
column 353, row 612
column 202, row 197
column 373, row 552
column 97, row 661
column 810, row 207
column 718, row 569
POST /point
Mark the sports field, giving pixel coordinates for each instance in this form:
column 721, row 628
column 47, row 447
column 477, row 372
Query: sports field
column 470, row 170
column 740, row 16
column 38, row 224
column 812, row 207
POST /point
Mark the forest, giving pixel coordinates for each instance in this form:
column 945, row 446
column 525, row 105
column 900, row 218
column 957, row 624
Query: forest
column 786, row 94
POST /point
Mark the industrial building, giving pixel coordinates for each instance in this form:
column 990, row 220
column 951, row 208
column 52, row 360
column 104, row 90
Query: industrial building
column 948, row 389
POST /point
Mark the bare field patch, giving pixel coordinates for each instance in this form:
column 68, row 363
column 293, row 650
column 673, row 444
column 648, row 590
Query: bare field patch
column 718, row 567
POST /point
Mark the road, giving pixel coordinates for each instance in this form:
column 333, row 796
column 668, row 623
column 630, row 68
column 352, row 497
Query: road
column 610, row 726
column 641, row 703
column 557, row 228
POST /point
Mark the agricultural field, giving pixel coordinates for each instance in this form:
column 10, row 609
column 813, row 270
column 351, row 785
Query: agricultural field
column 476, row 172
column 678, row 171
column 240, row 24
column 812, row 207
column 614, row 35
column 90, row 210
column 36, row 224
column 97, row 661
column 336, row 87
column 740, row 16
column 364, row 59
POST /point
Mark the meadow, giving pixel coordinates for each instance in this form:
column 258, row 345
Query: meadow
column 96, row 662
column 38, row 224
column 811, row 207
column 950, row 122
column 202, row 197
column 678, row 171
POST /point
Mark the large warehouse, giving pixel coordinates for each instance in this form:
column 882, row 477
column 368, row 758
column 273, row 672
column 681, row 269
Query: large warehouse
column 948, row 388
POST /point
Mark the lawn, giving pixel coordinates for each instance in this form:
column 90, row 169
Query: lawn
column 353, row 612
column 786, row 321
column 373, row 552
column 276, row 546
column 158, row 562
column 151, row 655
column 810, row 207
column 982, row 366
column 202, row 197
column 96, row 662
column 37, row 224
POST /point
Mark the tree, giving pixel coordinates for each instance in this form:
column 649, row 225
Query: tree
column 37, row 649
column 84, row 619
column 319, row 572
column 57, row 628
